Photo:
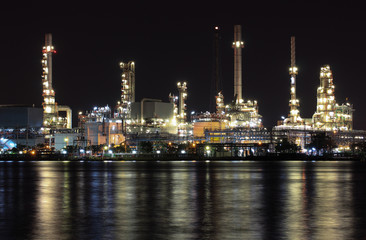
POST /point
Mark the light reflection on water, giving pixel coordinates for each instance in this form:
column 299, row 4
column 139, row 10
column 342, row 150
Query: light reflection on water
column 182, row 200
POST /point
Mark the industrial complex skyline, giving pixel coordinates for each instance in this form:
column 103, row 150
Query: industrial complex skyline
column 89, row 47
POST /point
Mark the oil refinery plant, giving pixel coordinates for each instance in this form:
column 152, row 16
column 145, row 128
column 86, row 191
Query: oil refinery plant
column 235, row 125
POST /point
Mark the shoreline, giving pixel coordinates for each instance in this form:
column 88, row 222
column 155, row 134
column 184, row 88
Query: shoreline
column 155, row 157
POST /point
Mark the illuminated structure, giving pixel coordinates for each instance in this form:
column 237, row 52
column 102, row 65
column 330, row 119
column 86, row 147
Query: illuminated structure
column 220, row 107
column 49, row 104
column 238, row 44
column 235, row 122
column 294, row 118
column 329, row 115
column 182, row 107
column 174, row 100
column 243, row 114
column 216, row 85
column 101, row 128
column 127, row 89
column 52, row 118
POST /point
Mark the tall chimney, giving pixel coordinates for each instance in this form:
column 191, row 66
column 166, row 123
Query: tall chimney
column 238, row 44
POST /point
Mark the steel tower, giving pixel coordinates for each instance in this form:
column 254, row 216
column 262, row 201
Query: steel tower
column 182, row 88
column 294, row 116
column 49, row 104
column 127, row 88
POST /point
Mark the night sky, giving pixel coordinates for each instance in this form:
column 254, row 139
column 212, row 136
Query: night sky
column 172, row 42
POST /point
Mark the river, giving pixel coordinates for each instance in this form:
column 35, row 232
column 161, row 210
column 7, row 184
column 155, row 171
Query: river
column 183, row 200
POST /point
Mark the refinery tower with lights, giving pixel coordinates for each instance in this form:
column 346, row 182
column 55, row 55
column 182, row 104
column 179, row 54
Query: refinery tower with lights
column 54, row 116
column 243, row 114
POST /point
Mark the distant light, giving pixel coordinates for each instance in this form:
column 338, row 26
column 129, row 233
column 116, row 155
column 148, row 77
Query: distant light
column 134, row 152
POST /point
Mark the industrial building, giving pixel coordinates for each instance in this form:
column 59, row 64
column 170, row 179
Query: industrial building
column 21, row 124
column 237, row 122
column 20, row 116
column 242, row 113
column 234, row 122
column 331, row 118
column 329, row 114
column 99, row 127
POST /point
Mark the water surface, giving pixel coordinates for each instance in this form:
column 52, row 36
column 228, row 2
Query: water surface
column 182, row 200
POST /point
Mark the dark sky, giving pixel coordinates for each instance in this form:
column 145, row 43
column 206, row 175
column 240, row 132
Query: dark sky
column 173, row 42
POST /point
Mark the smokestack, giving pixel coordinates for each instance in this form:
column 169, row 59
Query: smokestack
column 238, row 44
column 48, row 39
column 293, row 51
column 48, row 45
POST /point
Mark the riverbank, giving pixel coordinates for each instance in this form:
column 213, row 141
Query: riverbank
column 177, row 157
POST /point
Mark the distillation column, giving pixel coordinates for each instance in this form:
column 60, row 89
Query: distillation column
column 238, row 44
column 294, row 116
column 326, row 104
column 182, row 88
column 49, row 104
column 127, row 88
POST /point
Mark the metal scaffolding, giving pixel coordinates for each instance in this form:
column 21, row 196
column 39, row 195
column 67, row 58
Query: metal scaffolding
column 127, row 89
column 49, row 104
